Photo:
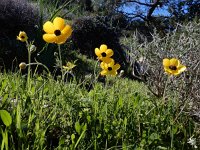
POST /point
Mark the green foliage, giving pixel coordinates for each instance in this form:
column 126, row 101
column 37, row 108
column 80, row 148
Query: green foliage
column 117, row 114
column 7, row 120
column 5, row 117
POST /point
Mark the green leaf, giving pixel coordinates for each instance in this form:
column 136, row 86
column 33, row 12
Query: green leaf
column 39, row 78
column 89, row 119
column 5, row 117
column 72, row 138
column 4, row 84
column 154, row 136
column 125, row 122
column 120, row 103
column 84, row 128
column 5, row 97
column 78, row 127
column 99, row 135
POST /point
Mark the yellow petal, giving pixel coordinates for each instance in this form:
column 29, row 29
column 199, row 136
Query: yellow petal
column 166, row 62
column 106, row 59
column 116, row 66
column 48, row 27
column 181, row 68
column 176, row 72
column 65, row 67
column 61, row 39
column 70, row 65
column 97, row 52
column 174, row 62
column 49, row 38
column 113, row 73
column 112, row 62
column 67, row 31
column 103, row 48
column 103, row 65
column 104, row 72
column 172, row 72
column 59, row 23
column 22, row 39
column 109, row 52
column 167, row 70
column 18, row 38
column 22, row 36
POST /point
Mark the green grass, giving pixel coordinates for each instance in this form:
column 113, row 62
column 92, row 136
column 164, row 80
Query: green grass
column 120, row 114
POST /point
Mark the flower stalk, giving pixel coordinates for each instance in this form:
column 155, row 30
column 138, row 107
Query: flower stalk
column 60, row 62
column 29, row 67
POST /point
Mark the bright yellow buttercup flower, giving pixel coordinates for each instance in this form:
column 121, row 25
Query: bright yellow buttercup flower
column 173, row 66
column 104, row 53
column 22, row 36
column 57, row 31
column 109, row 68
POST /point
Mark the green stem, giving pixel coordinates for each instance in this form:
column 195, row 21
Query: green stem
column 37, row 63
column 79, row 139
column 164, row 90
column 29, row 67
column 60, row 62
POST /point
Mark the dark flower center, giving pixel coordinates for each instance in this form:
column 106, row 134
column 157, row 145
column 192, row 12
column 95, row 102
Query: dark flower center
column 173, row 67
column 109, row 68
column 22, row 37
column 103, row 54
column 57, row 32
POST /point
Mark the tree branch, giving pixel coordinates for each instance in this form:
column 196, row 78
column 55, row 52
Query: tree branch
column 153, row 7
column 134, row 15
column 141, row 3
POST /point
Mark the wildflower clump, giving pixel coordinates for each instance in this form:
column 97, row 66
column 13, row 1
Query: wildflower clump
column 108, row 64
column 57, row 31
column 173, row 66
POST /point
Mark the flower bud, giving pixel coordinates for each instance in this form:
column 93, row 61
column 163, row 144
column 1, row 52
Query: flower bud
column 33, row 48
column 22, row 65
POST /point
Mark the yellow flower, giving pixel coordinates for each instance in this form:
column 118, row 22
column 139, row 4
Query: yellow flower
column 57, row 31
column 22, row 36
column 109, row 68
column 69, row 66
column 22, row 65
column 104, row 53
column 173, row 66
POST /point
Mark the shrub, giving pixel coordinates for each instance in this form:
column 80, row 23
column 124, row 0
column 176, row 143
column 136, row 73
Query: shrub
column 183, row 44
column 15, row 16
column 91, row 32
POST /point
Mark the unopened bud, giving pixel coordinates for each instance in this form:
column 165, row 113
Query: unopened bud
column 33, row 48
column 55, row 54
column 22, row 65
column 121, row 73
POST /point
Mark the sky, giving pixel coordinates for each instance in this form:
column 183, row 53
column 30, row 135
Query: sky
column 131, row 8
